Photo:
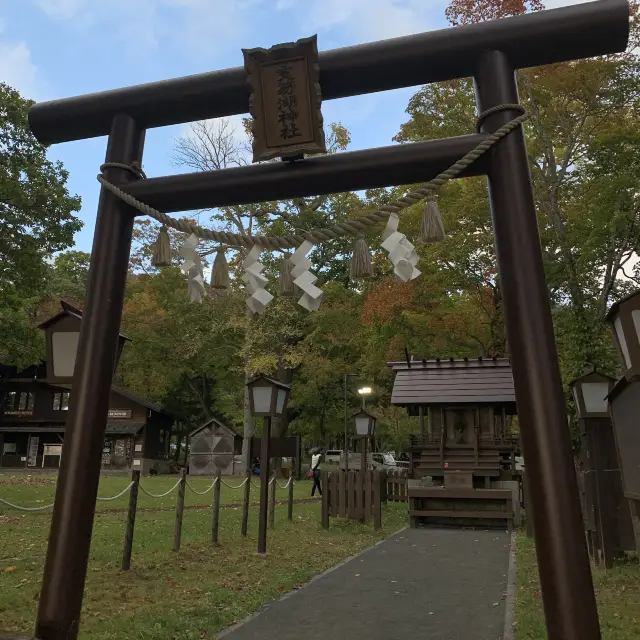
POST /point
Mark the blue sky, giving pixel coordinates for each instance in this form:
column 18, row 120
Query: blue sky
column 58, row 48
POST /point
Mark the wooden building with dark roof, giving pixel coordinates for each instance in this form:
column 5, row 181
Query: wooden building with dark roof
column 465, row 408
column 35, row 403
column 215, row 446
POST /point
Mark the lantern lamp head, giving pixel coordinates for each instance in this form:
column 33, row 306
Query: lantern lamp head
column 590, row 393
column 365, row 424
column 624, row 318
column 268, row 397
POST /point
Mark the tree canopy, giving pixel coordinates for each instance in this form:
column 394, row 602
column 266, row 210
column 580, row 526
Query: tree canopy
column 36, row 221
column 582, row 140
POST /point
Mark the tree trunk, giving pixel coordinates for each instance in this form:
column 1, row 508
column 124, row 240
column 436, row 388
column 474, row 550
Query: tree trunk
column 200, row 392
column 248, row 421
column 322, row 420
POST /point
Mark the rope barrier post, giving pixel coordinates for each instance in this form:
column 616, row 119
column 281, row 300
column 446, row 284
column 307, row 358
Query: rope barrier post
column 324, row 480
column 177, row 532
column 131, row 521
column 245, row 503
column 216, row 508
column 272, row 500
column 378, row 480
column 290, row 498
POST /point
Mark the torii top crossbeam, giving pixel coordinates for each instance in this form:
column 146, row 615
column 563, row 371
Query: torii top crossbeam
column 568, row 33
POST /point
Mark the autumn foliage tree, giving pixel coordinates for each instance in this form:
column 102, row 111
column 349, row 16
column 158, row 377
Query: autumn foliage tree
column 584, row 118
column 470, row 11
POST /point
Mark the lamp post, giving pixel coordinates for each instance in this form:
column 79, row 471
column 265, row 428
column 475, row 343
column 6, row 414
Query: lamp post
column 346, row 422
column 365, row 428
column 624, row 318
column 590, row 393
column 267, row 398
column 624, row 400
column 364, row 391
column 607, row 519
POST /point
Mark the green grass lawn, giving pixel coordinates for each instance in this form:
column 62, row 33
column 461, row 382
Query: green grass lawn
column 617, row 592
column 178, row 596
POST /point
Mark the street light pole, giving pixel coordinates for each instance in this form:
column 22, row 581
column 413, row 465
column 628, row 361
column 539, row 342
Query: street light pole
column 264, row 486
column 365, row 391
column 346, row 428
column 346, row 433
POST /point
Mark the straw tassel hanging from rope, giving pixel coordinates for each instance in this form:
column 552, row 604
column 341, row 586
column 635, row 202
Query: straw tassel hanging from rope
column 220, row 273
column 360, row 260
column 287, row 288
column 431, row 226
column 162, row 249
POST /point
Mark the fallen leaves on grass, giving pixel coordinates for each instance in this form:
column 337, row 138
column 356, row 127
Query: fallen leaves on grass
column 31, row 481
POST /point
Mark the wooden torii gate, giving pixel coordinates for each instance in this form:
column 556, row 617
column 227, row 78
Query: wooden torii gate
column 489, row 52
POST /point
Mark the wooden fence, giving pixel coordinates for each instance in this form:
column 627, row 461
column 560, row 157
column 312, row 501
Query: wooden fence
column 397, row 485
column 352, row 494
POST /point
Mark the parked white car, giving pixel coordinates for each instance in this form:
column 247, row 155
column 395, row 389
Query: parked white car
column 376, row 461
column 332, row 456
column 384, row 459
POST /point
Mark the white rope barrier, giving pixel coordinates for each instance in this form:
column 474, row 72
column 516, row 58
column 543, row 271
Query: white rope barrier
column 161, row 495
column 19, row 508
column 118, row 496
column 230, row 486
column 257, row 486
column 152, row 495
column 48, row 506
column 201, row 493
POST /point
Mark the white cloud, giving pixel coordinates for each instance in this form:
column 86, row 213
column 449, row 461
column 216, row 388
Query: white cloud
column 372, row 19
column 17, row 69
column 63, row 9
column 554, row 4
column 209, row 25
column 201, row 25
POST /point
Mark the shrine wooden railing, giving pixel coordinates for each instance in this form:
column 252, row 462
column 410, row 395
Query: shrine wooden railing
column 353, row 494
column 397, row 482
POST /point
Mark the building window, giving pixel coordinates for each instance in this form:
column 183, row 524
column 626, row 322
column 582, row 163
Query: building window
column 31, row 400
column 61, row 401
column 10, row 404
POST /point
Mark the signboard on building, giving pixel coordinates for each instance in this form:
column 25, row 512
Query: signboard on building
column 16, row 412
column 119, row 413
column 34, row 443
column 286, row 447
column 285, row 100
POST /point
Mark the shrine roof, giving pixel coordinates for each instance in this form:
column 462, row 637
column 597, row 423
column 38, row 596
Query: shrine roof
column 452, row 381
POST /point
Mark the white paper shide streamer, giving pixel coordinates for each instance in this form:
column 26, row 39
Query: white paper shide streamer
column 192, row 267
column 401, row 252
column 256, row 282
column 304, row 279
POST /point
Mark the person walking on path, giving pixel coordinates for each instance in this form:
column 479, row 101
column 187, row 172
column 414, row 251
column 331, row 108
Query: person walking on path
column 315, row 468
